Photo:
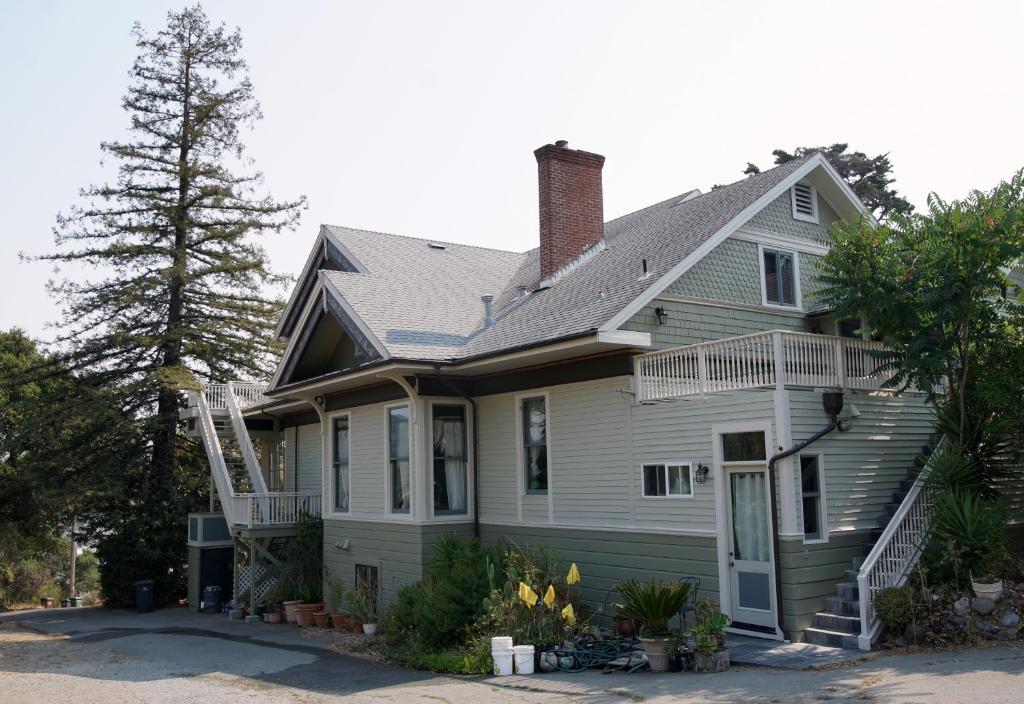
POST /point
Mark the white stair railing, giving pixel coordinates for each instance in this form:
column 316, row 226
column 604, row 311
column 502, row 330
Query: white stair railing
column 221, row 476
column 252, row 463
column 896, row 551
column 761, row 360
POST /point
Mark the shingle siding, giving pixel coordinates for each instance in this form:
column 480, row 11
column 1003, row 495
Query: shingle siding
column 689, row 323
column 729, row 272
column 777, row 216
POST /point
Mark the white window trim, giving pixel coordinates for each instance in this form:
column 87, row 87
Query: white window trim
column 822, row 501
column 328, row 506
column 796, row 278
column 813, row 217
column 388, row 512
column 470, row 468
column 521, row 491
column 665, row 466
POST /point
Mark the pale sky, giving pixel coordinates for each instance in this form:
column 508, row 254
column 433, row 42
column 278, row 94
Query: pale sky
column 421, row 118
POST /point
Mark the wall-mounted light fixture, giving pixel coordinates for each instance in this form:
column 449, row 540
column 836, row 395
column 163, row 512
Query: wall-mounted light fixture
column 662, row 315
column 702, row 473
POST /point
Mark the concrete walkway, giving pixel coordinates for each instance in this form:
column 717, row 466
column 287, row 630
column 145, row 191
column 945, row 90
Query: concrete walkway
column 95, row 656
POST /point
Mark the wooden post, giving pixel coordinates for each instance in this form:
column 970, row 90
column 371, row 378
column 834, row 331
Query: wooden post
column 252, row 578
column 72, row 590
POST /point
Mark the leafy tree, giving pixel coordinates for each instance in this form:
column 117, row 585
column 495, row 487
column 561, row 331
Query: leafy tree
column 936, row 287
column 870, row 177
column 175, row 236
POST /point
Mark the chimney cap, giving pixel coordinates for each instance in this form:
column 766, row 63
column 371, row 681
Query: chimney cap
column 563, row 143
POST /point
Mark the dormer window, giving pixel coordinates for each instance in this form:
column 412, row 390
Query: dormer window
column 805, row 202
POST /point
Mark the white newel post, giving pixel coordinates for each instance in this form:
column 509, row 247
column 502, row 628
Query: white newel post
column 840, row 348
column 779, row 360
column 702, row 370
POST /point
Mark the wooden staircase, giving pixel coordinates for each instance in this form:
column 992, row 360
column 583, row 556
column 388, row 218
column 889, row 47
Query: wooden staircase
column 839, row 625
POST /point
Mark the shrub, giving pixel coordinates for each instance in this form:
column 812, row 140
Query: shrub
column 653, row 603
column 301, row 574
column 708, row 630
column 969, row 538
column 897, row 607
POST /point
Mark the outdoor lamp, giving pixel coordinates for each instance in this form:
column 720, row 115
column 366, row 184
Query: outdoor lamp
column 662, row 315
column 702, row 473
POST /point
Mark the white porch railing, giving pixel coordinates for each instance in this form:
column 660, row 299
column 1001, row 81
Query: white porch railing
column 896, row 551
column 247, row 393
column 766, row 359
column 256, row 510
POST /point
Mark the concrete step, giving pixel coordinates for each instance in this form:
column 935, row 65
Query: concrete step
column 837, row 623
column 851, row 575
column 833, row 639
column 848, row 591
column 842, row 607
column 857, row 562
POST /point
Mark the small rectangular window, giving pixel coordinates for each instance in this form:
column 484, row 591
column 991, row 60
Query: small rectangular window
column 667, row 480
column 398, row 458
column 744, row 447
column 449, row 442
column 535, row 444
column 779, row 278
column 367, row 578
column 811, row 496
column 339, row 449
column 805, row 202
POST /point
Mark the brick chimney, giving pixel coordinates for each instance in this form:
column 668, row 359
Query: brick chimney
column 571, row 204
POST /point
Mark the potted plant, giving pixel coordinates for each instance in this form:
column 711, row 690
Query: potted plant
column 708, row 634
column 273, row 614
column 653, row 604
column 335, row 598
column 625, row 626
column 988, row 587
column 371, row 613
column 290, row 606
column 363, row 604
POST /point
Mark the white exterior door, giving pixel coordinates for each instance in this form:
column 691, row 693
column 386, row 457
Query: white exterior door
column 750, row 547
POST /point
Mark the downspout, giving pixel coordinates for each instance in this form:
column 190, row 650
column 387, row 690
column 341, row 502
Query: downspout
column 833, row 402
column 476, row 448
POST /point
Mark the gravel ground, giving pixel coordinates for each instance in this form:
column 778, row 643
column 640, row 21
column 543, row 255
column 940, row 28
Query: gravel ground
column 103, row 658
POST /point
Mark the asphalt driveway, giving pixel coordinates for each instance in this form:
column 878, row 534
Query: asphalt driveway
column 95, row 655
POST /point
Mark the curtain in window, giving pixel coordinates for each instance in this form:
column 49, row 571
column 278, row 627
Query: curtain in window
column 749, row 516
column 449, row 440
column 398, row 447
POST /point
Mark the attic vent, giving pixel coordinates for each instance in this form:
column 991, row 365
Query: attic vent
column 435, row 245
column 805, row 204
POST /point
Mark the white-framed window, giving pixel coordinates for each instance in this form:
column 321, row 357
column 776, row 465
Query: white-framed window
column 812, row 497
column 340, row 474
column 533, row 419
column 664, row 481
column 399, row 480
column 805, row 202
column 450, row 458
column 780, row 277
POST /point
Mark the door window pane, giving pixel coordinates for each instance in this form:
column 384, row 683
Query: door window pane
column 535, row 450
column 450, row 455
column 398, row 458
column 744, row 447
column 340, row 462
column 749, row 516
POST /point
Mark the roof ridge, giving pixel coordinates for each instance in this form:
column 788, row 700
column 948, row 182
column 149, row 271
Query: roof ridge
column 428, row 240
column 753, row 177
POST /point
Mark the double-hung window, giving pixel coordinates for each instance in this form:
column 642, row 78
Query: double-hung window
column 667, row 480
column 812, row 497
column 535, row 443
column 398, row 458
column 449, row 441
column 339, row 452
column 779, row 277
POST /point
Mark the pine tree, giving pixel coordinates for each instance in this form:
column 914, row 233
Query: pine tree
column 181, row 295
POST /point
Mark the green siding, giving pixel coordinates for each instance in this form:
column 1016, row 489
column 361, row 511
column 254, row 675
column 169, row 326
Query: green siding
column 777, row 216
column 689, row 323
column 729, row 272
column 400, row 551
column 309, row 474
column 606, row 558
column 810, row 574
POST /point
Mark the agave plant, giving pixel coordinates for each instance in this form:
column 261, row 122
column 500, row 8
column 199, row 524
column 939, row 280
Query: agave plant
column 653, row 603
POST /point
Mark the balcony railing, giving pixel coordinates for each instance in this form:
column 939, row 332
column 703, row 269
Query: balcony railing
column 763, row 360
column 272, row 509
column 247, row 393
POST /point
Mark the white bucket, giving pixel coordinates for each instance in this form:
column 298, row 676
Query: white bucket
column 503, row 663
column 523, row 659
column 501, row 643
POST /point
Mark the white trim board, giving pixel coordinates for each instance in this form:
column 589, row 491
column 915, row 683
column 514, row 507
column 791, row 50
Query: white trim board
column 637, row 304
column 780, row 241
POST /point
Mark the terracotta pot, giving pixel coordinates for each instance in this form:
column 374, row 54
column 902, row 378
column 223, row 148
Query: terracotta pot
column 304, row 613
column 355, row 626
column 339, row 619
column 274, row 617
column 320, row 619
column 289, row 610
column 625, row 628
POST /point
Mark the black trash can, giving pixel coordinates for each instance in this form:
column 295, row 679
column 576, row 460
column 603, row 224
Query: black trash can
column 211, row 599
column 144, row 596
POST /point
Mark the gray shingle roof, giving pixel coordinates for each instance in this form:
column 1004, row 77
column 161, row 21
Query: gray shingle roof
column 424, row 303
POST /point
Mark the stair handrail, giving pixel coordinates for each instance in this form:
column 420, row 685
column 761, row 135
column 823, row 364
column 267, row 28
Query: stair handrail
column 252, row 463
column 221, row 477
column 897, row 550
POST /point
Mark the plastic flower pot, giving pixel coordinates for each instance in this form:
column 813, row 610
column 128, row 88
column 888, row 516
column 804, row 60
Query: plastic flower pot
column 658, row 651
column 988, row 590
column 370, row 629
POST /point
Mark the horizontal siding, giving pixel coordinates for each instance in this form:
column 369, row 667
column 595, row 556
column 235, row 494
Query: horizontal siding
column 606, row 558
column 863, row 467
column 290, row 455
column 368, row 460
column 309, row 475
column 497, row 457
column 810, row 574
column 689, row 323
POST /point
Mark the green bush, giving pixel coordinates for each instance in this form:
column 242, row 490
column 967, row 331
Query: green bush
column 969, row 539
column 897, row 607
column 301, row 574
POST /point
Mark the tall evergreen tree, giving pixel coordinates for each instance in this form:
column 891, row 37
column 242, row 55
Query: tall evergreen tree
column 182, row 297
